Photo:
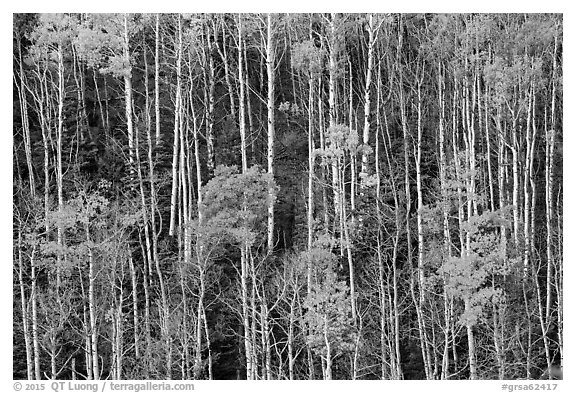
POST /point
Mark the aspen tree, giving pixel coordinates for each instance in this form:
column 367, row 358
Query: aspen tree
column 248, row 343
column 177, row 118
column 23, row 100
column 372, row 39
column 333, row 47
column 420, row 271
column 471, row 206
column 201, row 258
column 153, row 255
column 210, row 84
column 157, row 78
column 353, row 152
column 216, row 22
column 550, row 138
column 59, row 135
column 23, row 302
column 270, row 69
column 445, row 214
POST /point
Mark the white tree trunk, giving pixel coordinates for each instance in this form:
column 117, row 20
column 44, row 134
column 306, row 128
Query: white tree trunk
column 366, row 131
column 271, row 132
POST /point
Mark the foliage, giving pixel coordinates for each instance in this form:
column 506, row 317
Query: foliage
column 467, row 277
column 234, row 204
column 327, row 307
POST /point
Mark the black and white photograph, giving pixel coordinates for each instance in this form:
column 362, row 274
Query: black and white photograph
column 287, row 196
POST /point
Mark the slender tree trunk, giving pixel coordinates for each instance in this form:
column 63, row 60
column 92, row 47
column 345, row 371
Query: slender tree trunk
column 242, row 110
column 80, row 130
column 526, row 188
column 134, row 278
column 348, row 246
column 92, row 309
column 353, row 152
column 445, row 222
column 128, row 97
column 210, row 89
column 550, row 135
column 25, row 124
column 405, row 136
column 227, row 73
column 516, row 186
column 184, row 239
column 164, row 312
column 59, row 170
column 328, row 369
column 24, row 310
column 397, row 216
column 369, row 69
column 86, row 326
column 310, row 213
column 290, row 339
column 244, row 248
column 100, row 106
column 106, row 105
column 323, row 167
column 34, row 301
column 421, row 278
column 176, row 147
column 245, row 315
column 118, row 321
column 251, row 138
column 488, row 152
column 471, row 208
column 332, row 66
column 157, row 78
column 152, row 254
column 471, row 343
column 381, row 267
column 270, row 64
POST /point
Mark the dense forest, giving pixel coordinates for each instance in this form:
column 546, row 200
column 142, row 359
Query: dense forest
column 294, row 196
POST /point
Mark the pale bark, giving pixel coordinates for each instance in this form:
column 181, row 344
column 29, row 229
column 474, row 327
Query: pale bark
column 310, row 212
column 445, row 222
column 24, row 309
column 488, row 151
column 550, row 136
column 184, row 240
column 25, row 122
column 136, row 318
column 270, row 65
column 366, row 131
column 323, row 167
column 177, row 119
column 420, row 271
column 93, row 318
column 471, row 208
column 242, row 110
column 209, row 102
column 59, row 169
column 128, row 96
column 157, row 78
column 332, row 67
column 224, row 55
column 353, row 151
column 408, row 197
column 100, row 107
column 395, row 312
column 152, row 255
column 200, row 257
column 244, row 275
